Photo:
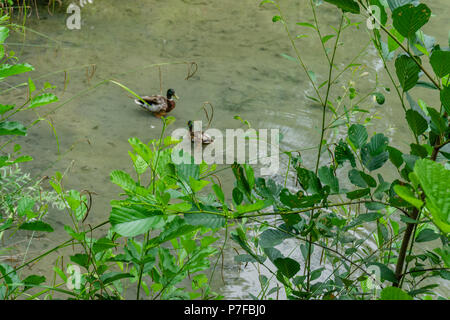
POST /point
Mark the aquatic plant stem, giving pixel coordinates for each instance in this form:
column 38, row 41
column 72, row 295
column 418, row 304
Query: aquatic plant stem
column 322, row 133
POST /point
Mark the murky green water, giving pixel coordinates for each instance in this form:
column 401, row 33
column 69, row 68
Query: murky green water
column 241, row 72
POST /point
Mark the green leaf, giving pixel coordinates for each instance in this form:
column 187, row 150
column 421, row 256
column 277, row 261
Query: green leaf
column 361, row 179
column 114, row 276
column 308, row 180
column 327, row 37
column 12, row 128
column 33, row 281
column 439, row 124
column 252, row 207
column 374, row 154
column 6, row 108
column 80, row 259
column 208, row 220
column 440, row 61
column 7, row 70
column 123, row 180
column 36, row 226
column 433, row 178
column 358, row 193
column 445, row 98
column 416, row 122
column 346, row 5
column 25, row 206
column 4, row 33
column 133, row 221
column 305, row 24
column 427, row 235
column 343, row 153
column 408, row 19
column 42, row 100
column 238, row 197
column 394, row 293
column 406, row 194
column 392, row 44
column 407, row 72
column 219, row 193
column 327, row 177
column 272, row 237
column 395, row 156
column 287, row 266
column 197, row 185
column 357, row 134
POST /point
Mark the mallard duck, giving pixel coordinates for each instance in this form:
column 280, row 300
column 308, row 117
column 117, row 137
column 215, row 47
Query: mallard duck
column 199, row 136
column 157, row 104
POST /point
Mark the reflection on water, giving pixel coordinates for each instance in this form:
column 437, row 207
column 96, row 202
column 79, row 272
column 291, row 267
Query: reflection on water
column 241, row 72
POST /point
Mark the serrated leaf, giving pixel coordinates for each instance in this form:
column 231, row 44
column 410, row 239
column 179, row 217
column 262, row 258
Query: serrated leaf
column 408, row 19
column 357, row 134
column 440, row 61
column 407, row 72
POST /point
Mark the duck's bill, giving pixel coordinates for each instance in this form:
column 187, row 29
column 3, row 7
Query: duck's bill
column 175, row 96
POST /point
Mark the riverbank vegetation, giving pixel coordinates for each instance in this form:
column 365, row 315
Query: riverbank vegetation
column 168, row 229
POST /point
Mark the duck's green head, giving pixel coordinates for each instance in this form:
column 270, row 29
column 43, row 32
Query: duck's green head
column 190, row 124
column 171, row 93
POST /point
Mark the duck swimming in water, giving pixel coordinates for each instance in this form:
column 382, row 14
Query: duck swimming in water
column 158, row 105
column 199, row 136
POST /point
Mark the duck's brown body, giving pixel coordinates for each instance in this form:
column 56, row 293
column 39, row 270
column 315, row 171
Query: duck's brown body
column 158, row 105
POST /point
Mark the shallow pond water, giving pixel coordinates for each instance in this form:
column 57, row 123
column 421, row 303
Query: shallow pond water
column 241, row 71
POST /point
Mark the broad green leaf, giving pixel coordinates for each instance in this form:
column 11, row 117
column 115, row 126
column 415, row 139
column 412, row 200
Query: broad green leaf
column 357, row 134
column 395, row 156
column 12, row 128
column 343, row 153
column 361, row 179
column 287, row 266
column 392, row 44
column 407, row 72
column 374, row 154
column 346, row 5
column 327, row 177
column 406, row 194
column 123, row 180
column 439, row 124
column 440, row 61
column 130, row 222
column 434, row 178
column 6, row 108
column 258, row 205
column 197, row 185
column 426, row 235
column 445, row 98
column 394, row 293
column 358, row 194
column 219, row 193
column 36, row 226
column 4, row 32
column 42, row 100
column 208, row 220
column 272, row 237
column 114, row 276
column 408, row 19
column 7, row 70
column 416, row 122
